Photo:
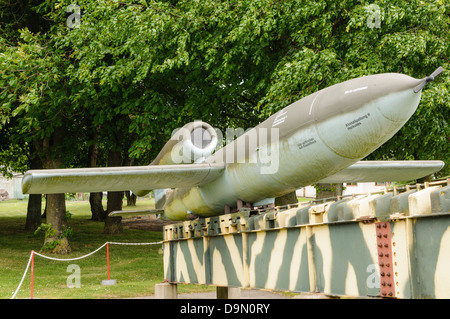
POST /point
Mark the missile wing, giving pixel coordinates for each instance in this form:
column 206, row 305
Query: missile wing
column 54, row 181
column 385, row 171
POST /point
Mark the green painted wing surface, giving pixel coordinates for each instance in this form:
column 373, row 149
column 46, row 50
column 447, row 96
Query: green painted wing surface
column 385, row 171
column 75, row 180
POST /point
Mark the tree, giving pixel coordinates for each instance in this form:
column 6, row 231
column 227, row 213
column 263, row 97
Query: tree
column 333, row 42
column 35, row 98
column 15, row 154
column 144, row 68
column 95, row 198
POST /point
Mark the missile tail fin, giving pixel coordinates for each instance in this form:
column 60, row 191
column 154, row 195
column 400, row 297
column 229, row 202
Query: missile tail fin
column 385, row 171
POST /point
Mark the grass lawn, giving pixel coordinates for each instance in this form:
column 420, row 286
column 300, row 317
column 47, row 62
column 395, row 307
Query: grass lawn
column 136, row 268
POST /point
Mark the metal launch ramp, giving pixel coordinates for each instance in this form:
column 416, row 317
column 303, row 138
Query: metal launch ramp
column 394, row 244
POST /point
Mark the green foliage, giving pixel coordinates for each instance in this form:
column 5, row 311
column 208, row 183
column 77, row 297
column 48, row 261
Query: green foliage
column 324, row 188
column 67, row 233
column 52, row 239
column 70, row 196
column 47, row 229
column 143, row 68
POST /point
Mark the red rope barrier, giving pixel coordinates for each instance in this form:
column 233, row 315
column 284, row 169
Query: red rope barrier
column 31, row 262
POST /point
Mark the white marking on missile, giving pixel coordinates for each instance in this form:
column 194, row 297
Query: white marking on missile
column 356, row 90
column 310, row 108
column 279, row 118
column 279, row 121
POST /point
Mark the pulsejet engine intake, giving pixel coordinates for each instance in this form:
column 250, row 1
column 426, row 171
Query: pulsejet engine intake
column 189, row 144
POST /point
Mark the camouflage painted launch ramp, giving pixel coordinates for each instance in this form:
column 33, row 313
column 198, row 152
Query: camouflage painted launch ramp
column 395, row 244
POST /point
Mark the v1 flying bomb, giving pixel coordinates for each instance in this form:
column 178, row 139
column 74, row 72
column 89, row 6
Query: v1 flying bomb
column 318, row 139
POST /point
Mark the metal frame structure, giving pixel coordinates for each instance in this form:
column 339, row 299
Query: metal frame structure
column 394, row 245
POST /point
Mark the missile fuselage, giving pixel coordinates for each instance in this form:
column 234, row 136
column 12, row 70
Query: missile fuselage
column 315, row 139
column 303, row 143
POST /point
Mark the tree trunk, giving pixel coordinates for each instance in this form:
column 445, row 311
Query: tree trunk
column 290, row 198
column 56, row 216
column 113, row 225
column 131, row 198
column 34, row 210
column 34, row 207
column 328, row 190
column 57, row 242
column 115, row 199
column 424, row 179
column 97, row 210
column 95, row 199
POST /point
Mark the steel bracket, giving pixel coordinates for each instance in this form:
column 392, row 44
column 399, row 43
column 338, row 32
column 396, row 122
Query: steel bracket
column 384, row 250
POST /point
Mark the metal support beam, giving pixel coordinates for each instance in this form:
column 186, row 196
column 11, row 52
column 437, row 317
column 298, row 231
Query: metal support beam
column 394, row 245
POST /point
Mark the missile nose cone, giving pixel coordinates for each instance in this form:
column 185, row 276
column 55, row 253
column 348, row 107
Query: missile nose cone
column 404, row 96
column 399, row 106
column 372, row 109
column 400, row 99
